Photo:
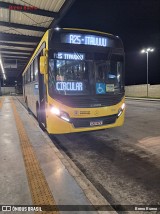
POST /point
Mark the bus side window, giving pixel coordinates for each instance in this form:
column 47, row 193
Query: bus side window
column 24, row 80
column 27, row 76
column 31, row 72
column 36, row 68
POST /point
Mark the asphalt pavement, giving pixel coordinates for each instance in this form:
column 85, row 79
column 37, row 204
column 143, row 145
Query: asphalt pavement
column 124, row 162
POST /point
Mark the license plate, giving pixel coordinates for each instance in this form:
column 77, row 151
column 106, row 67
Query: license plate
column 96, row 123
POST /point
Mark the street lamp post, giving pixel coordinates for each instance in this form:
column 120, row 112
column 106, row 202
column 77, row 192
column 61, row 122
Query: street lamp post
column 147, row 52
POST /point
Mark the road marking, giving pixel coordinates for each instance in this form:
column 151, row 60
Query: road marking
column 40, row 192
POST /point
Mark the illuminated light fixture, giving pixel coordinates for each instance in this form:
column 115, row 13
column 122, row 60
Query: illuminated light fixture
column 57, row 28
column 4, row 77
column 55, row 110
column 121, row 109
column 147, row 52
column 2, row 68
column 60, row 114
column 123, row 106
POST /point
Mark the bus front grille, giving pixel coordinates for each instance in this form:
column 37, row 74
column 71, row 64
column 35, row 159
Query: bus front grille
column 86, row 122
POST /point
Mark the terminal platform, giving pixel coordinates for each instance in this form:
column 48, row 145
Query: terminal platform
column 32, row 170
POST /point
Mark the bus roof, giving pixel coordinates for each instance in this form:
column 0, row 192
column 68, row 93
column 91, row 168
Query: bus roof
column 86, row 30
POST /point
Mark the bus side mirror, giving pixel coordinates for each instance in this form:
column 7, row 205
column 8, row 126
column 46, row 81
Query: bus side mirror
column 43, row 64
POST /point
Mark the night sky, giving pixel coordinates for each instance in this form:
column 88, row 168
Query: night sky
column 137, row 22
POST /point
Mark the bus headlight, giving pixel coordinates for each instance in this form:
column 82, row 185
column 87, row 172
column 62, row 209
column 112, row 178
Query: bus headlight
column 121, row 109
column 63, row 115
column 55, row 110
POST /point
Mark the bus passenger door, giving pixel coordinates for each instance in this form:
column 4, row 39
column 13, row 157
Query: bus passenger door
column 42, row 100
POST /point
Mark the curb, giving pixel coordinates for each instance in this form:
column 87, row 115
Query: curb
column 144, row 99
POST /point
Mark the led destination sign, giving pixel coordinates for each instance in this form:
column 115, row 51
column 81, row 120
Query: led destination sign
column 69, row 86
column 81, row 39
column 69, row 56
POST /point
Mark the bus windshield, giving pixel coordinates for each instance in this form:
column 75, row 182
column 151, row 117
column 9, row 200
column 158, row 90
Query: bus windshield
column 78, row 76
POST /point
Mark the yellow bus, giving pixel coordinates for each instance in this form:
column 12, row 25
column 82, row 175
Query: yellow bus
column 74, row 81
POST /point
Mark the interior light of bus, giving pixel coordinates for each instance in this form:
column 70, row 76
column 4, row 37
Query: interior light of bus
column 111, row 76
column 118, row 76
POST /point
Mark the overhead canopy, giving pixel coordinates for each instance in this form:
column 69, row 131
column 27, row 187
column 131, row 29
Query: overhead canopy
column 22, row 24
